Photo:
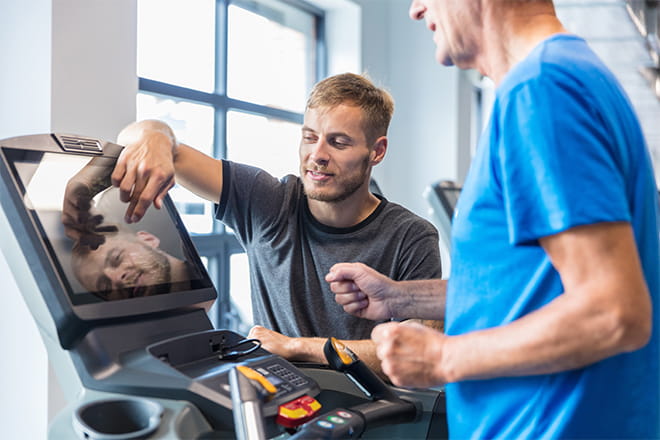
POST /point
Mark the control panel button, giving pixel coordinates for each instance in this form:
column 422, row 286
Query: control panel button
column 298, row 411
column 324, row 424
column 337, row 420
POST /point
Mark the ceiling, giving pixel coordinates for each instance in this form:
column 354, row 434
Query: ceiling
column 612, row 33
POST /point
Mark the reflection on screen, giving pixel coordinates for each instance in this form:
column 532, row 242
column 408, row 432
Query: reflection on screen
column 99, row 256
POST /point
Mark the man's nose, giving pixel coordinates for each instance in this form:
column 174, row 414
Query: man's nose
column 117, row 275
column 416, row 11
column 319, row 153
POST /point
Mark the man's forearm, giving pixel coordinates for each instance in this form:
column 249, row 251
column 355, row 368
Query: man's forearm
column 199, row 173
column 95, row 175
column 556, row 338
column 422, row 299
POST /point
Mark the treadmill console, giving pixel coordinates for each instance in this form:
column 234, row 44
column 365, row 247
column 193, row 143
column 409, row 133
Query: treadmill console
column 128, row 302
column 207, row 357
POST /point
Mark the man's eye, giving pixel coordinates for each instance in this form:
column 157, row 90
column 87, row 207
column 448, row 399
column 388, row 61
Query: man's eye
column 309, row 139
column 116, row 257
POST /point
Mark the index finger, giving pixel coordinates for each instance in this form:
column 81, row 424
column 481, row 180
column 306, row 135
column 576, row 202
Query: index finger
column 119, row 171
column 145, row 193
column 127, row 184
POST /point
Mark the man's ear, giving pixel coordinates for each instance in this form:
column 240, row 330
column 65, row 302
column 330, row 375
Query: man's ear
column 379, row 150
column 148, row 238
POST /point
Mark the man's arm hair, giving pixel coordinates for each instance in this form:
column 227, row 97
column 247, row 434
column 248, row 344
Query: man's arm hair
column 199, row 173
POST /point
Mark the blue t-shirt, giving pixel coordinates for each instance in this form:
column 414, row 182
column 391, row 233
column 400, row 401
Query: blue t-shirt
column 563, row 148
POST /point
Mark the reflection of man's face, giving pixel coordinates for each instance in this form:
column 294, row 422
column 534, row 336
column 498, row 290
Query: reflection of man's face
column 126, row 266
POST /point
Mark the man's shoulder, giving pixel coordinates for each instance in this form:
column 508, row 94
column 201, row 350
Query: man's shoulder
column 252, row 191
column 244, row 172
column 561, row 60
column 394, row 214
column 393, row 208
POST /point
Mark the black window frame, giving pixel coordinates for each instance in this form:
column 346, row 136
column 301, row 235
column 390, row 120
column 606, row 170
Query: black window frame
column 219, row 245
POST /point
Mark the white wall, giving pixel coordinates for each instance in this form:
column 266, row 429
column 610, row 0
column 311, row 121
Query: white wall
column 67, row 66
column 93, row 72
column 24, row 108
column 343, row 19
column 24, row 77
column 24, row 373
column 398, row 53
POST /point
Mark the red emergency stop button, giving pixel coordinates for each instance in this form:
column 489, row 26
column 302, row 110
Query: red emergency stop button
column 298, row 411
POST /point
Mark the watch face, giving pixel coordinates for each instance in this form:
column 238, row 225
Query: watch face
column 97, row 254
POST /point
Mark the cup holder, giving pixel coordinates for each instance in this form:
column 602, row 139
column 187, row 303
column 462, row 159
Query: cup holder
column 117, row 419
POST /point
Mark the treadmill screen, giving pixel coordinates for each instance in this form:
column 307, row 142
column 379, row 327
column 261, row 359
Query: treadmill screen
column 97, row 254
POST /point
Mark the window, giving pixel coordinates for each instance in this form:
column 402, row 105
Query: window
column 231, row 78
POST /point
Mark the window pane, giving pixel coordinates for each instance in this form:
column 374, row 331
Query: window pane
column 176, row 42
column 193, row 125
column 239, row 290
column 270, row 54
column 267, row 143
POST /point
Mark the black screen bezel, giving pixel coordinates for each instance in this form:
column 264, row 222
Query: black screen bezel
column 200, row 294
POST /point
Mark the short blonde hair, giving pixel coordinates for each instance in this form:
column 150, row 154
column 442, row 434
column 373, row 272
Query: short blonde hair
column 349, row 88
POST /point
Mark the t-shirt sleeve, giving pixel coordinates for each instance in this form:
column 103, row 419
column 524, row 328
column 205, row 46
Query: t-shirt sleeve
column 420, row 259
column 557, row 165
column 251, row 199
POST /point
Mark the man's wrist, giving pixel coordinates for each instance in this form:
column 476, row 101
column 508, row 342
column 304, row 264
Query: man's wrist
column 293, row 348
column 307, row 349
column 175, row 149
column 446, row 370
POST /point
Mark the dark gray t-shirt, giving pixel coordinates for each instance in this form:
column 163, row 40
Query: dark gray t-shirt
column 290, row 252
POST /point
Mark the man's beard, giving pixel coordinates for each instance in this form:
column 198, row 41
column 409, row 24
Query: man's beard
column 347, row 188
column 161, row 266
column 156, row 264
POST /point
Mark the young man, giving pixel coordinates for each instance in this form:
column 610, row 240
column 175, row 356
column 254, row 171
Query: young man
column 296, row 228
column 551, row 306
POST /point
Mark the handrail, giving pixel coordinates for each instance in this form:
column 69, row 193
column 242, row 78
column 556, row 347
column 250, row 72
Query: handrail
column 646, row 16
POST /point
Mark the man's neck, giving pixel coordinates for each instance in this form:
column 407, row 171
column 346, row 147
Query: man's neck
column 510, row 34
column 346, row 213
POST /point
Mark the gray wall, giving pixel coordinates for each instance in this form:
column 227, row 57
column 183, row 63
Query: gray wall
column 398, row 53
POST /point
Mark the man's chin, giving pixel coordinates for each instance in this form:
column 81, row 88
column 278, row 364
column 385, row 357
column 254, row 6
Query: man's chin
column 321, row 196
column 444, row 59
column 314, row 190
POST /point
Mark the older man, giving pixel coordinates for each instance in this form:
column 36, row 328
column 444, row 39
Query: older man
column 551, row 305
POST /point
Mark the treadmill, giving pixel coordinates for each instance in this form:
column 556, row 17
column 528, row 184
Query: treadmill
column 135, row 352
column 442, row 197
